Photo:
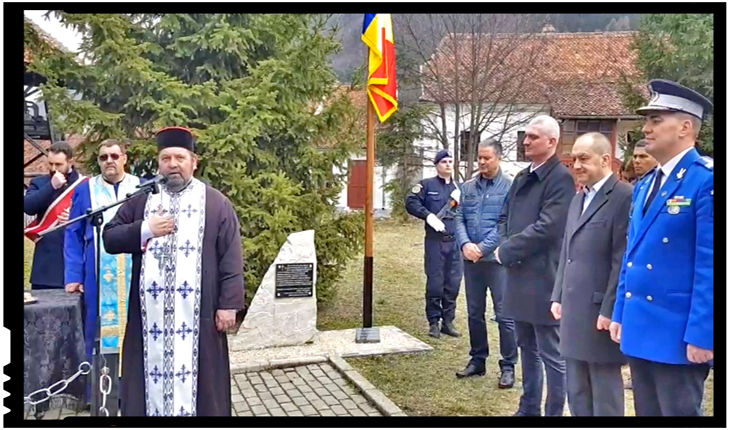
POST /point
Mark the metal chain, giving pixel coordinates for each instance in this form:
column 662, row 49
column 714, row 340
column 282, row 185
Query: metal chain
column 105, row 389
column 58, row 387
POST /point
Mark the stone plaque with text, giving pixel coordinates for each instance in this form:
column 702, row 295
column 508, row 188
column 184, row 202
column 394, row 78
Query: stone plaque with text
column 294, row 280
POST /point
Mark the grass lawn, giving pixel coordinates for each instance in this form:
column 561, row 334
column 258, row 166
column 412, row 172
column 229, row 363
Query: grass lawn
column 424, row 384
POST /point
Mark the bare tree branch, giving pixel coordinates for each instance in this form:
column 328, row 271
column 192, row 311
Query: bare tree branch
column 479, row 70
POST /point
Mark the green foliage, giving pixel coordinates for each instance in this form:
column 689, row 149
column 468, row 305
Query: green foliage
column 677, row 47
column 248, row 84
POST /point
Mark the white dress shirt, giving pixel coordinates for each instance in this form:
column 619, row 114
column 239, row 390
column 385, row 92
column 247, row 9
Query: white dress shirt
column 591, row 192
column 667, row 169
column 533, row 167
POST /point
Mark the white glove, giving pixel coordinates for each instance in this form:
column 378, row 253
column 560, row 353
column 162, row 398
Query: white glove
column 435, row 223
column 456, row 194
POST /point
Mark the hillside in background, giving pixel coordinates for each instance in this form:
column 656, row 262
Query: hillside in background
column 353, row 51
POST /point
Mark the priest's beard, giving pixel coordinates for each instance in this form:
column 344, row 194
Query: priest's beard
column 176, row 183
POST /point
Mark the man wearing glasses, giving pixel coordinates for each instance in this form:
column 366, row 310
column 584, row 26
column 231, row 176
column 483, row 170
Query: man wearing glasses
column 80, row 258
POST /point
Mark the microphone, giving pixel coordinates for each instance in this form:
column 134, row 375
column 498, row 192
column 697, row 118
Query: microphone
column 151, row 186
column 157, row 180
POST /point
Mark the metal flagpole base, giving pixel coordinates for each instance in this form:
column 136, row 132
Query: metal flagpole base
column 367, row 335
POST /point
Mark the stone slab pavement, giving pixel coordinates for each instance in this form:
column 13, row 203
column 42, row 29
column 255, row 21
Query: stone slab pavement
column 307, row 390
column 311, row 390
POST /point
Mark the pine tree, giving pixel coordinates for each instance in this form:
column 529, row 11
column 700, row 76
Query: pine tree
column 248, row 85
column 677, row 47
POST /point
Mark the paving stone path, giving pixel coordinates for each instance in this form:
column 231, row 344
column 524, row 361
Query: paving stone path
column 312, row 390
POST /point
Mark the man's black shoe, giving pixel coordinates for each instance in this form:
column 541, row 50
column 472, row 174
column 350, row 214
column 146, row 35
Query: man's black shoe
column 523, row 414
column 448, row 329
column 507, row 380
column 433, row 330
column 471, row 370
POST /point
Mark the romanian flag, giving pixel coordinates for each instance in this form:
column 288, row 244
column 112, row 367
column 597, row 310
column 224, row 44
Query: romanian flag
column 377, row 33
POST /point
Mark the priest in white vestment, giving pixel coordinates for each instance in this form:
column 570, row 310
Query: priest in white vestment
column 187, row 288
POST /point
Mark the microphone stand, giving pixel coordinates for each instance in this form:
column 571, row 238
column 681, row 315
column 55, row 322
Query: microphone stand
column 96, row 218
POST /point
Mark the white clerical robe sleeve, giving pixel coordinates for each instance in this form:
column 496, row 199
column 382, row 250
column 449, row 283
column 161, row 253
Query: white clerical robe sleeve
column 145, row 234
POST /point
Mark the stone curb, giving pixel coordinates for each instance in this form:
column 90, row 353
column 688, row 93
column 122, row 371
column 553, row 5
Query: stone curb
column 277, row 364
column 368, row 390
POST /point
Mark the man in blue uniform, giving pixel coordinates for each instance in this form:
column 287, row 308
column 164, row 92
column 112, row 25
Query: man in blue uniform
column 443, row 264
column 642, row 161
column 663, row 317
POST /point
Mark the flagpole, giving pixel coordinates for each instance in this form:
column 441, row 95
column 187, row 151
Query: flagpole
column 368, row 333
column 367, row 296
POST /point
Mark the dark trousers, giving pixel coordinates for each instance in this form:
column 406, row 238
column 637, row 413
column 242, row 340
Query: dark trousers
column 595, row 389
column 443, row 266
column 45, row 287
column 671, row 390
column 539, row 344
column 479, row 277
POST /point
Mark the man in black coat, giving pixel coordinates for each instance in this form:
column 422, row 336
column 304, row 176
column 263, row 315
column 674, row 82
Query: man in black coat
column 585, row 287
column 49, row 193
column 531, row 228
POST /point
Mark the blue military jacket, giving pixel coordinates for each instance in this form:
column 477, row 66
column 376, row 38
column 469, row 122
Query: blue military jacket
column 476, row 217
column 429, row 196
column 665, row 292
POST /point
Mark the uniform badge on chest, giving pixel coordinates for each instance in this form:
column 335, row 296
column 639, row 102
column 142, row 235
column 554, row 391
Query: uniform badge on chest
column 676, row 203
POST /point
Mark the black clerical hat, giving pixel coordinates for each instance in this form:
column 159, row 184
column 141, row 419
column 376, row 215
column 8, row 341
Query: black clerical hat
column 178, row 137
column 670, row 96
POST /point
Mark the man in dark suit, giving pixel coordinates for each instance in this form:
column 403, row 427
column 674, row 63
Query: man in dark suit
column 585, row 286
column 49, row 199
column 531, row 228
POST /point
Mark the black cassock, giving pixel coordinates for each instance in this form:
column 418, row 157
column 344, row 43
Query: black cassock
column 221, row 288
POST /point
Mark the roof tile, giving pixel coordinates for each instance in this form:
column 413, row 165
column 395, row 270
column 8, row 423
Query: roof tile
column 576, row 73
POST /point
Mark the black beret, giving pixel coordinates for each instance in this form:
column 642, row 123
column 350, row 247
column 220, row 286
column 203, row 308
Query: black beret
column 177, row 137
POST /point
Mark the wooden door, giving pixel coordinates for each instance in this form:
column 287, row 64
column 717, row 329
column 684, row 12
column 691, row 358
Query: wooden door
column 356, row 184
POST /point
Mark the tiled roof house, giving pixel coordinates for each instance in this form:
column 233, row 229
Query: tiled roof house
column 575, row 75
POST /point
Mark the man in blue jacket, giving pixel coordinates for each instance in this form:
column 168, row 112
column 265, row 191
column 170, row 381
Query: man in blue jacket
column 49, row 199
column 429, row 200
column 112, row 185
column 482, row 198
column 663, row 317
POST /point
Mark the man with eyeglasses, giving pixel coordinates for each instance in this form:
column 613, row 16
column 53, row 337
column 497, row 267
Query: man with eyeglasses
column 116, row 270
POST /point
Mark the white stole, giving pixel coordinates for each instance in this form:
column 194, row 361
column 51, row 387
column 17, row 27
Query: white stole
column 170, row 303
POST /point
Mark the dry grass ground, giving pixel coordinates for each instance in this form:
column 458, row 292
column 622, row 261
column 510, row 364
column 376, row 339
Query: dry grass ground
column 424, row 384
